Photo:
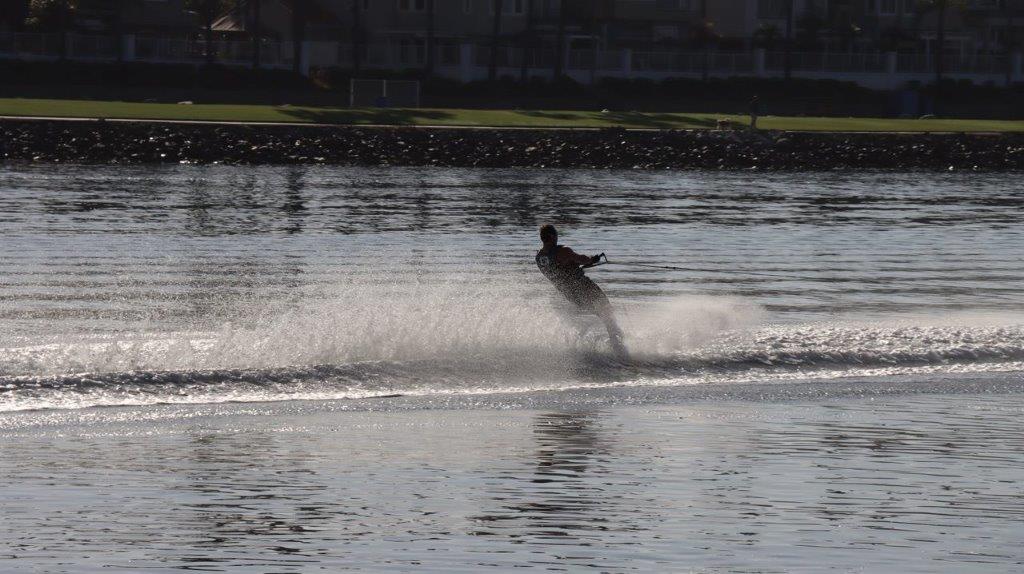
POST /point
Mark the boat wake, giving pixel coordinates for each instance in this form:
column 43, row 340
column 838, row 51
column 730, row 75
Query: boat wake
column 457, row 341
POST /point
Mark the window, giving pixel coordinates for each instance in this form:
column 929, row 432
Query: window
column 771, row 9
column 550, row 8
column 449, row 54
column 511, row 7
column 674, row 5
column 412, row 51
column 666, row 33
column 412, row 5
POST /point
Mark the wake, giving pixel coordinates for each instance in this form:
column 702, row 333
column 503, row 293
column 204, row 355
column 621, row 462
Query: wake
column 385, row 337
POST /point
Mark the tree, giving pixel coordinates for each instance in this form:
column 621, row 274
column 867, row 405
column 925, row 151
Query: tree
column 492, row 68
column 13, row 13
column 766, row 36
column 256, row 18
column 940, row 8
column 431, row 14
column 118, row 25
column 1009, row 41
column 527, row 41
column 207, row 11
column 53, row 15
column 705, row 34
column 788, row 66
column 300, row 15
column 808, row 31
column 563, row 20
column 357, row 35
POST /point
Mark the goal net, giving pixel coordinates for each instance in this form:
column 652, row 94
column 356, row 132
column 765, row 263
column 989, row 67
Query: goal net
column 384, row 93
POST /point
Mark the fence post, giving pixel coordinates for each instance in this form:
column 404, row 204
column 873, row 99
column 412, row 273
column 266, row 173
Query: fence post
column 128, row 47
column 891, row 63
column 627, row 62
column 304, row 60
column 759, row 67
column 466, row 63
column 1018, row 66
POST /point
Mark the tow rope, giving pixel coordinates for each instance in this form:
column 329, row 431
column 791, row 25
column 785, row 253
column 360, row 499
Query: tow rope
column 602, row 259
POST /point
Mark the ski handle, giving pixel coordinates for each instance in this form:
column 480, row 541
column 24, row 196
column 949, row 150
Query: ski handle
column 602, row 259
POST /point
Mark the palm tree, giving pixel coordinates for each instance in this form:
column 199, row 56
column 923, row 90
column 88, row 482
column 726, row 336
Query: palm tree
column 256, row 9
column 940, row 40
column 299, row 17
column 47, row 15
column 563, row 17
column 940, row 7
column 357, row 35
column 705, row 40
column 1009, row 39
column 527, row 42
column 207, row 10
column 492, row 68
column 118, row 26
column 788, row 65
column 431, row 13
column 14, row 13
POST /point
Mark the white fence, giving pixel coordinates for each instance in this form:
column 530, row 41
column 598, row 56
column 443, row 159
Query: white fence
column 467, row 62
column 80, row 47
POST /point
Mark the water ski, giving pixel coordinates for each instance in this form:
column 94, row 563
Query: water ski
column 591, row 331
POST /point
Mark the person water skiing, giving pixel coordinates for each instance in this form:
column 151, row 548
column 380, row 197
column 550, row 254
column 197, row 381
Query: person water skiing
column 564, row 268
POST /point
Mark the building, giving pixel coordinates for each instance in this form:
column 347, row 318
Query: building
column 881, row 43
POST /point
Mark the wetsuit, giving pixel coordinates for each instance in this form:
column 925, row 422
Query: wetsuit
column 570, row 281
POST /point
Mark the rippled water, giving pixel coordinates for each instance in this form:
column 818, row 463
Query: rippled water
column 186, row 284
column 834, row 365
column 922, row 484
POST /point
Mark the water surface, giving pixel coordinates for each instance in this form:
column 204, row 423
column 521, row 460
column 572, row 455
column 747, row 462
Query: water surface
column 294, row 369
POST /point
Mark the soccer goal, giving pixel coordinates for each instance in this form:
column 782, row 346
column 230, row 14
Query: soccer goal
column 384, row 93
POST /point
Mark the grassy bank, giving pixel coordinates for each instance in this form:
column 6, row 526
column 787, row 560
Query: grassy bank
column 465, row 117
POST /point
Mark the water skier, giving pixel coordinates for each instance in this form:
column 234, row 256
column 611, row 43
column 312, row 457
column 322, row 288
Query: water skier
column 564, row 268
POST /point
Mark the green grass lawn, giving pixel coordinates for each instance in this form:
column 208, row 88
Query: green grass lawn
column 458, row 117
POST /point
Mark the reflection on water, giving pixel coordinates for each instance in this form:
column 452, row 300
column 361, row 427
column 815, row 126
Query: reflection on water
column 560, row 502
column 850, row 485
column 244, row 490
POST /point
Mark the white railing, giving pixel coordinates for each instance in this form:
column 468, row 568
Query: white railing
column 741, row 62
column 977, row 64
column 93, row 47
column 693, row 62
column 30, row 45
column 470, row 61
column 183, row 50
column 952, row 63
column 601, row 60
column 840, row 62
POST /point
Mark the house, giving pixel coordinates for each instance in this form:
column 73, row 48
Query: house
column 143, row 17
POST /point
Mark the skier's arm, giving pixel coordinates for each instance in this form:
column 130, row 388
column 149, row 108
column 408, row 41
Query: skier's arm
column 568, row 256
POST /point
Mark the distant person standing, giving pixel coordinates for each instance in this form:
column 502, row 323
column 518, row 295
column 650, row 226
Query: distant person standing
column 755, row 110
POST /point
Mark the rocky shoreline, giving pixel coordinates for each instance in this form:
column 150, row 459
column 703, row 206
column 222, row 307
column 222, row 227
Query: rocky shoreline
column 115, row 142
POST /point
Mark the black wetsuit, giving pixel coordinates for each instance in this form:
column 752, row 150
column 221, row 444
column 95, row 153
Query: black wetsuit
column 582, row 292
column 571, row 282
